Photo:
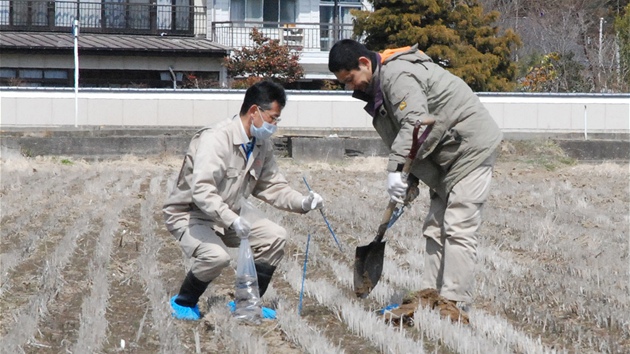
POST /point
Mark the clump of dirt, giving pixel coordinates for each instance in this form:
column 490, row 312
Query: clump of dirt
column 427, row 298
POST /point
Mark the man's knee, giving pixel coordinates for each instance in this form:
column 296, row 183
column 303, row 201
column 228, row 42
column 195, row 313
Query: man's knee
column 211, row 253
column 210, row 260
column 269, row 247
column 275, row 237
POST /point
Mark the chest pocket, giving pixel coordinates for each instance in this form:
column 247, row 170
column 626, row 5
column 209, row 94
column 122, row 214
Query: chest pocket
column 232, row 173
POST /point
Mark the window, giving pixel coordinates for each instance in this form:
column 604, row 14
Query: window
column 326, row 10
column 328, row 33
column 35, row 77
column 56, row 74
column 8, row 73
column 120, row 16
column 24, row 13
column 275, row 11
column 31, row 73
column 288, row 11
column 237, row 10
column 284, row 11
column 246, row 10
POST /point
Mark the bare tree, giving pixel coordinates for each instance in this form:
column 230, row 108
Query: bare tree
column 579, row 29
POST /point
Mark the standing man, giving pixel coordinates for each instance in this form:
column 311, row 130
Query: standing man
column 230, row 160
column 402, row 86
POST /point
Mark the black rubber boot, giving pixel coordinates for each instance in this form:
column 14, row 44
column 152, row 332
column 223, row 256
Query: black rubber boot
column 190, row 291
column 265, row 272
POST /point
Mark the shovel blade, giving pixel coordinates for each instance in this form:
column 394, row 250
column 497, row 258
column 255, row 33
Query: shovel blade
column 368, row 266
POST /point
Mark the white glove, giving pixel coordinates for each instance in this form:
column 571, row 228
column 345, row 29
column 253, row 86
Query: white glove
column 312, row 201
column 396, row 187
column 242, row 227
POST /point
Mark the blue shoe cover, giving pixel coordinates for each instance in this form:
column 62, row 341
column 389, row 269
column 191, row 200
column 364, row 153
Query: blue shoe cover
column 184, row 312
column 388, row 308
column 266, row 312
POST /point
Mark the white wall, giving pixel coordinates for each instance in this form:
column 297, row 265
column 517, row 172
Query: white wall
column 311, row 110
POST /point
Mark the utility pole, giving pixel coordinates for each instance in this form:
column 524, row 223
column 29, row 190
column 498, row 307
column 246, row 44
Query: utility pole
column 336, row 27
column 75, row 34
column 601, row 28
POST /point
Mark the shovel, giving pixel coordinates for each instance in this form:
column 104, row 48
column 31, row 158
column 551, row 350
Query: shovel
column 368, row 260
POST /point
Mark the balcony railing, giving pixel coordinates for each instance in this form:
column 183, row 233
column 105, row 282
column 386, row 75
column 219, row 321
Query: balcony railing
column 103, row 17
column 298, row 36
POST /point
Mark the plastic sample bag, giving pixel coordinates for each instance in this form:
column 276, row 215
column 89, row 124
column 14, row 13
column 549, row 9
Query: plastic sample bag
column 246, row 294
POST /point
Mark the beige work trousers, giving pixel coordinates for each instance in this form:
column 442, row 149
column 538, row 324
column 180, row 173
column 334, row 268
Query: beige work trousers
column 208, row 248
column 451, row 243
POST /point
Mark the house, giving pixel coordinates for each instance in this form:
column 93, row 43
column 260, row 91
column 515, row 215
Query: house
column 311, row 26
column 122, row 43
column 157, row 43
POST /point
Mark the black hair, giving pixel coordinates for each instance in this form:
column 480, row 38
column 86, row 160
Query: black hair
column 263, row 94
column 345, row 54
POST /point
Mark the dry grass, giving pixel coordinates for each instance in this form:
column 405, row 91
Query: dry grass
column 86, row 262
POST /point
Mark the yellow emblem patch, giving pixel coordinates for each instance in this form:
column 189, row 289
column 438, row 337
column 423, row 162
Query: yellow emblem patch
column 403, row 104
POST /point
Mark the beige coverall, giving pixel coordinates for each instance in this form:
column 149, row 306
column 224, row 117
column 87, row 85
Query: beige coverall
column 455, row 161
column 203, row 204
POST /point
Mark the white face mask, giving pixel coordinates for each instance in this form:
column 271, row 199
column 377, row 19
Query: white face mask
column 265, row 131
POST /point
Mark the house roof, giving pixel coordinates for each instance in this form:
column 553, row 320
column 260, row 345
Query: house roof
column 90, row 42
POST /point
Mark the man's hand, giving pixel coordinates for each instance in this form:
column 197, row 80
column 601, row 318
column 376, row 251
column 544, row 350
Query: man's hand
column 312, row 201
column 396, row 187
column 242, row 227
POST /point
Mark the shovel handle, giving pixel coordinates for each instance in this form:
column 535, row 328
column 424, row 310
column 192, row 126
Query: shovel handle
column 405, row 172
column 382, row 227
column 385, row 221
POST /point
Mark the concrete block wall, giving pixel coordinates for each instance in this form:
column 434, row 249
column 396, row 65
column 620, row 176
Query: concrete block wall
column 306, row 113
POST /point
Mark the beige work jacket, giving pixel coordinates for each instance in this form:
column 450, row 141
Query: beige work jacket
column 216, row 173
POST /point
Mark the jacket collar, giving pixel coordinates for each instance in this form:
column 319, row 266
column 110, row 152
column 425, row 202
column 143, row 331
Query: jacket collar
column 373, row 94
column 238, row 131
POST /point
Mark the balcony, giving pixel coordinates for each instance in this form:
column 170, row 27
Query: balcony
column 306, row 37
column 103, row 17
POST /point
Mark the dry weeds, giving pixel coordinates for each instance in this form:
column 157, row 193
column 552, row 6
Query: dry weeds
column 87, row 265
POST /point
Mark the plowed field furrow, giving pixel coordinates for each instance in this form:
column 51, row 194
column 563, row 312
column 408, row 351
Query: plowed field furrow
column 21, row 237
column 66, row 305
column 355, row 317
column 127, row 306
column 92, row 330
column 26, row 189
column 88, row 263
column 409, row 279
column 48, row 279
column 159, row 321
column 320, row 318
column 327, row 317
column 36, row 193
column 311, row 338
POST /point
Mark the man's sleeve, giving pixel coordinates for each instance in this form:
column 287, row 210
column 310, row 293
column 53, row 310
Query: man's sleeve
column 409, row 104
column 274, row 189
column 208, row 172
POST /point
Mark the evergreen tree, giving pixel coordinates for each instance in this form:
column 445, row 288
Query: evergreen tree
column 267, row 59
column 457, row 35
